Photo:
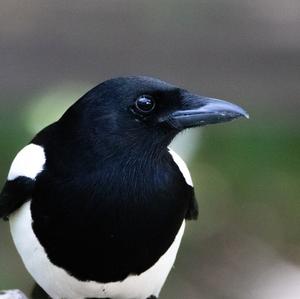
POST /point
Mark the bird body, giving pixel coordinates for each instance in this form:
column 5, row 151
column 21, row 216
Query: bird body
column 56, row 281
column 97, row 202
column 59, row 284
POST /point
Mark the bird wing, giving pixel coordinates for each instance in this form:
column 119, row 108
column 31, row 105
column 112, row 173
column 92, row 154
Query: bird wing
column 192, row 212
column 182, row 167
column 19, row 186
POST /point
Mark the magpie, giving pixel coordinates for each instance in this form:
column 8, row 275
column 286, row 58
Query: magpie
column 97, row 201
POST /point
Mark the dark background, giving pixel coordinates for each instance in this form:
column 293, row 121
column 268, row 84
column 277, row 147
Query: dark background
column 246, row 244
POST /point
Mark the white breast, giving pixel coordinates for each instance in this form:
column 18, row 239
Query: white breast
column 59, row 284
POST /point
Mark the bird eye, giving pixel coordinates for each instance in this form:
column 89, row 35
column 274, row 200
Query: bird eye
column 145, row 104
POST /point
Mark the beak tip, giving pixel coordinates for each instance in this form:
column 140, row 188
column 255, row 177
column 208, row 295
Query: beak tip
column 245, row 114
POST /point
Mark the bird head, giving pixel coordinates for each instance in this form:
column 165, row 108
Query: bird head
column 131, row 111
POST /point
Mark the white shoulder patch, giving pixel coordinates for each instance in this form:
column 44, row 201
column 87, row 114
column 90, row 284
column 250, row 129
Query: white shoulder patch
column 182, row 167
column 29, row 162
column 12, row 294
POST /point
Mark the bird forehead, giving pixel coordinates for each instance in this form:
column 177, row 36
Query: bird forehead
column 138, row 85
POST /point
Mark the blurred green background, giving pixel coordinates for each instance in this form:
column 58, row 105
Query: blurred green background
column 246, row 243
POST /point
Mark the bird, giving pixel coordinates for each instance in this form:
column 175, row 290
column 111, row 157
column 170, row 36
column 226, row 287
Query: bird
column 97, row 202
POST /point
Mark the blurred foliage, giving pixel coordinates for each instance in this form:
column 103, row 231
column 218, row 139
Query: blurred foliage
column 251, row 171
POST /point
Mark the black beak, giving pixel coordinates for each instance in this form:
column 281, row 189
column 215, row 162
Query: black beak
column 201, row 111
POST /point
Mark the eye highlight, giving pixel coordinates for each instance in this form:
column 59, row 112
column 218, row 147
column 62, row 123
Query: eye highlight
column 145, row 104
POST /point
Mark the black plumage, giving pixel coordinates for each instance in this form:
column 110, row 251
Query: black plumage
column 110, row 199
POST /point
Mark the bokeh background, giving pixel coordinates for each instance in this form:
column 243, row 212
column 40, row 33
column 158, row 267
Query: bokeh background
column 246, row 243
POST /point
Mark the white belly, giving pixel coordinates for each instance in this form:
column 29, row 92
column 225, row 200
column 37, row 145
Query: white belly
column 59, row 284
